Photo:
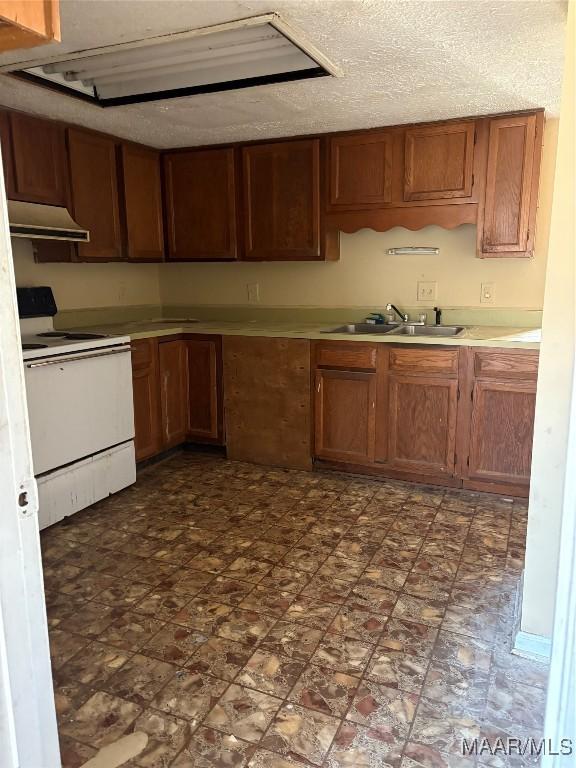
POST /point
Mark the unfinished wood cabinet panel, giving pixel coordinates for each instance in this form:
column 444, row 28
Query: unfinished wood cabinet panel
column 360, row 167
column 507, row 219
column 173, row 374
column 438, row 161
column 205, row 422
column 421, row 423
column 28, row 23
column 142, row 199
column 39, row 160
column 145, row 386
column 94, row 182
column 200, row 199
column 267, row 400
column 281, row 197
column 345, row 403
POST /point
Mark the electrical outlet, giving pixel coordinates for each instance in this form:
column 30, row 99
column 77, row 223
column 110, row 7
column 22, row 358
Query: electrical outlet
column 253, row 290
column 427, row 291
column 487, row 293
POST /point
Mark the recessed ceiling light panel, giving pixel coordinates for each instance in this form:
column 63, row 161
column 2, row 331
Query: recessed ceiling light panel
column 241, row 54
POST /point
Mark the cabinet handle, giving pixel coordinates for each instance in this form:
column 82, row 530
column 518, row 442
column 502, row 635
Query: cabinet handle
column 165, row 397
column 319, row 386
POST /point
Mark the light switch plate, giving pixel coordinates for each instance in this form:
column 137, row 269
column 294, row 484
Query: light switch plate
column 427, row 291
column 487, row 293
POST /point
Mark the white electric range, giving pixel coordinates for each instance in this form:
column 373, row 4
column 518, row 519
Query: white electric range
column 80, row 409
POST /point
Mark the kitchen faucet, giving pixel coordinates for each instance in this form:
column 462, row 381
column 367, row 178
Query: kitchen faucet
column 401, row 315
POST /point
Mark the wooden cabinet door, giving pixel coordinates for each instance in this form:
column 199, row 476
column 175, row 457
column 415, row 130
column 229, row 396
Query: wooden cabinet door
column 7, row 157
column 438, row 161
column 281, row 195
column 345, row 416
column 501, row 428
column 146, row 393
column 506, row 226
column 142, row 200
column 39, row 158
column 200, row 194
column 422, row 423
column 360, row 170
column 94, row 181
column 205, row 389
column 173, row 392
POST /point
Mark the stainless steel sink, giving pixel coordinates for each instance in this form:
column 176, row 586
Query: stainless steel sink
column 427, row 330
column 353, row 328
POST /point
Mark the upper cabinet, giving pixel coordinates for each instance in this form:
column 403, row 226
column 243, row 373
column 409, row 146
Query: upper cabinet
column 39, row 164
column 94, row 182
column 200, row 204
column 142, row 203
column 360, row 169
column 506, row 226
column 438, row 161
column 7, row 159
column 281, row 196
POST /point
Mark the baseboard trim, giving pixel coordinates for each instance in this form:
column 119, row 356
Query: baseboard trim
column 531, row 646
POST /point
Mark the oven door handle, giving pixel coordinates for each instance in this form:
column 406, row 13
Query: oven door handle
column 64, row 359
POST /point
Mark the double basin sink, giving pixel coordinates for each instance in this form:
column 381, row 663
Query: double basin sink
column 398, row 330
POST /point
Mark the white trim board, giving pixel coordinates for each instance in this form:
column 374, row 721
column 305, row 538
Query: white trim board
column 531, row 646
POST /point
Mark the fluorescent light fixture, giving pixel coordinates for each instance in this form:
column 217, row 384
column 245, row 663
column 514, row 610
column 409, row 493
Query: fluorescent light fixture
column 256, row 51
column 418, row 249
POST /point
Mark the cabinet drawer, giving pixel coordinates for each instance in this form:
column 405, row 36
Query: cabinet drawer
column 425, row 361
column 351, row 356
column 510, row 365
column 142, row 353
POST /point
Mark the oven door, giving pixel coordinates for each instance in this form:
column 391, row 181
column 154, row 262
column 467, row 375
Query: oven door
column 78, row 404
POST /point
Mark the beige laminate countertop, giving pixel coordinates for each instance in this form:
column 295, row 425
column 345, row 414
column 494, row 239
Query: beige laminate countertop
column 473, row 336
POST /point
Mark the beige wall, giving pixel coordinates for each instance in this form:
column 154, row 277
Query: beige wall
column 88, row 285
column 555, row 376
column 364, row 276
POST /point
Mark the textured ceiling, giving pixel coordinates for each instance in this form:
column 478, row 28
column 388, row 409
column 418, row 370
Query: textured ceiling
column 403, row 61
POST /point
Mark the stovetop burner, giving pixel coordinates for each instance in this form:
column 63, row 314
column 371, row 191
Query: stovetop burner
column 82, row 336
column 34, row 346
column 52, row 335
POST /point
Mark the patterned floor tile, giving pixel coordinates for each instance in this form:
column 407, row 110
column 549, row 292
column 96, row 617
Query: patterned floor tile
column 139, row 679
column 214, row 749
column 356, row 745
column 325, row 690
column 220, row 657
column 296, row 641
column 244, row 713
column 397, row 670
column 408, row 637
column 189, row 695
column 301, row 733
column 269, row 672
column 210, row 570
column 101, row 720
column 384, row 708
column 344, row 654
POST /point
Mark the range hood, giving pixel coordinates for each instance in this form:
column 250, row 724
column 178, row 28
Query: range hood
column 44, row 222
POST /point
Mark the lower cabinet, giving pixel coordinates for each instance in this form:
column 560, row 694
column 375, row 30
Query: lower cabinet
column 146, row 401
column 173, row 369
column 204, row 361
column 421, row 423
column 501, row 399
column 456, row 416
column 345, row 415
column 177, row 386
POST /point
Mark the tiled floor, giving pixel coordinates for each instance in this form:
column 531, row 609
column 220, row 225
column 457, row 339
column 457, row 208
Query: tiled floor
column 246, row 616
